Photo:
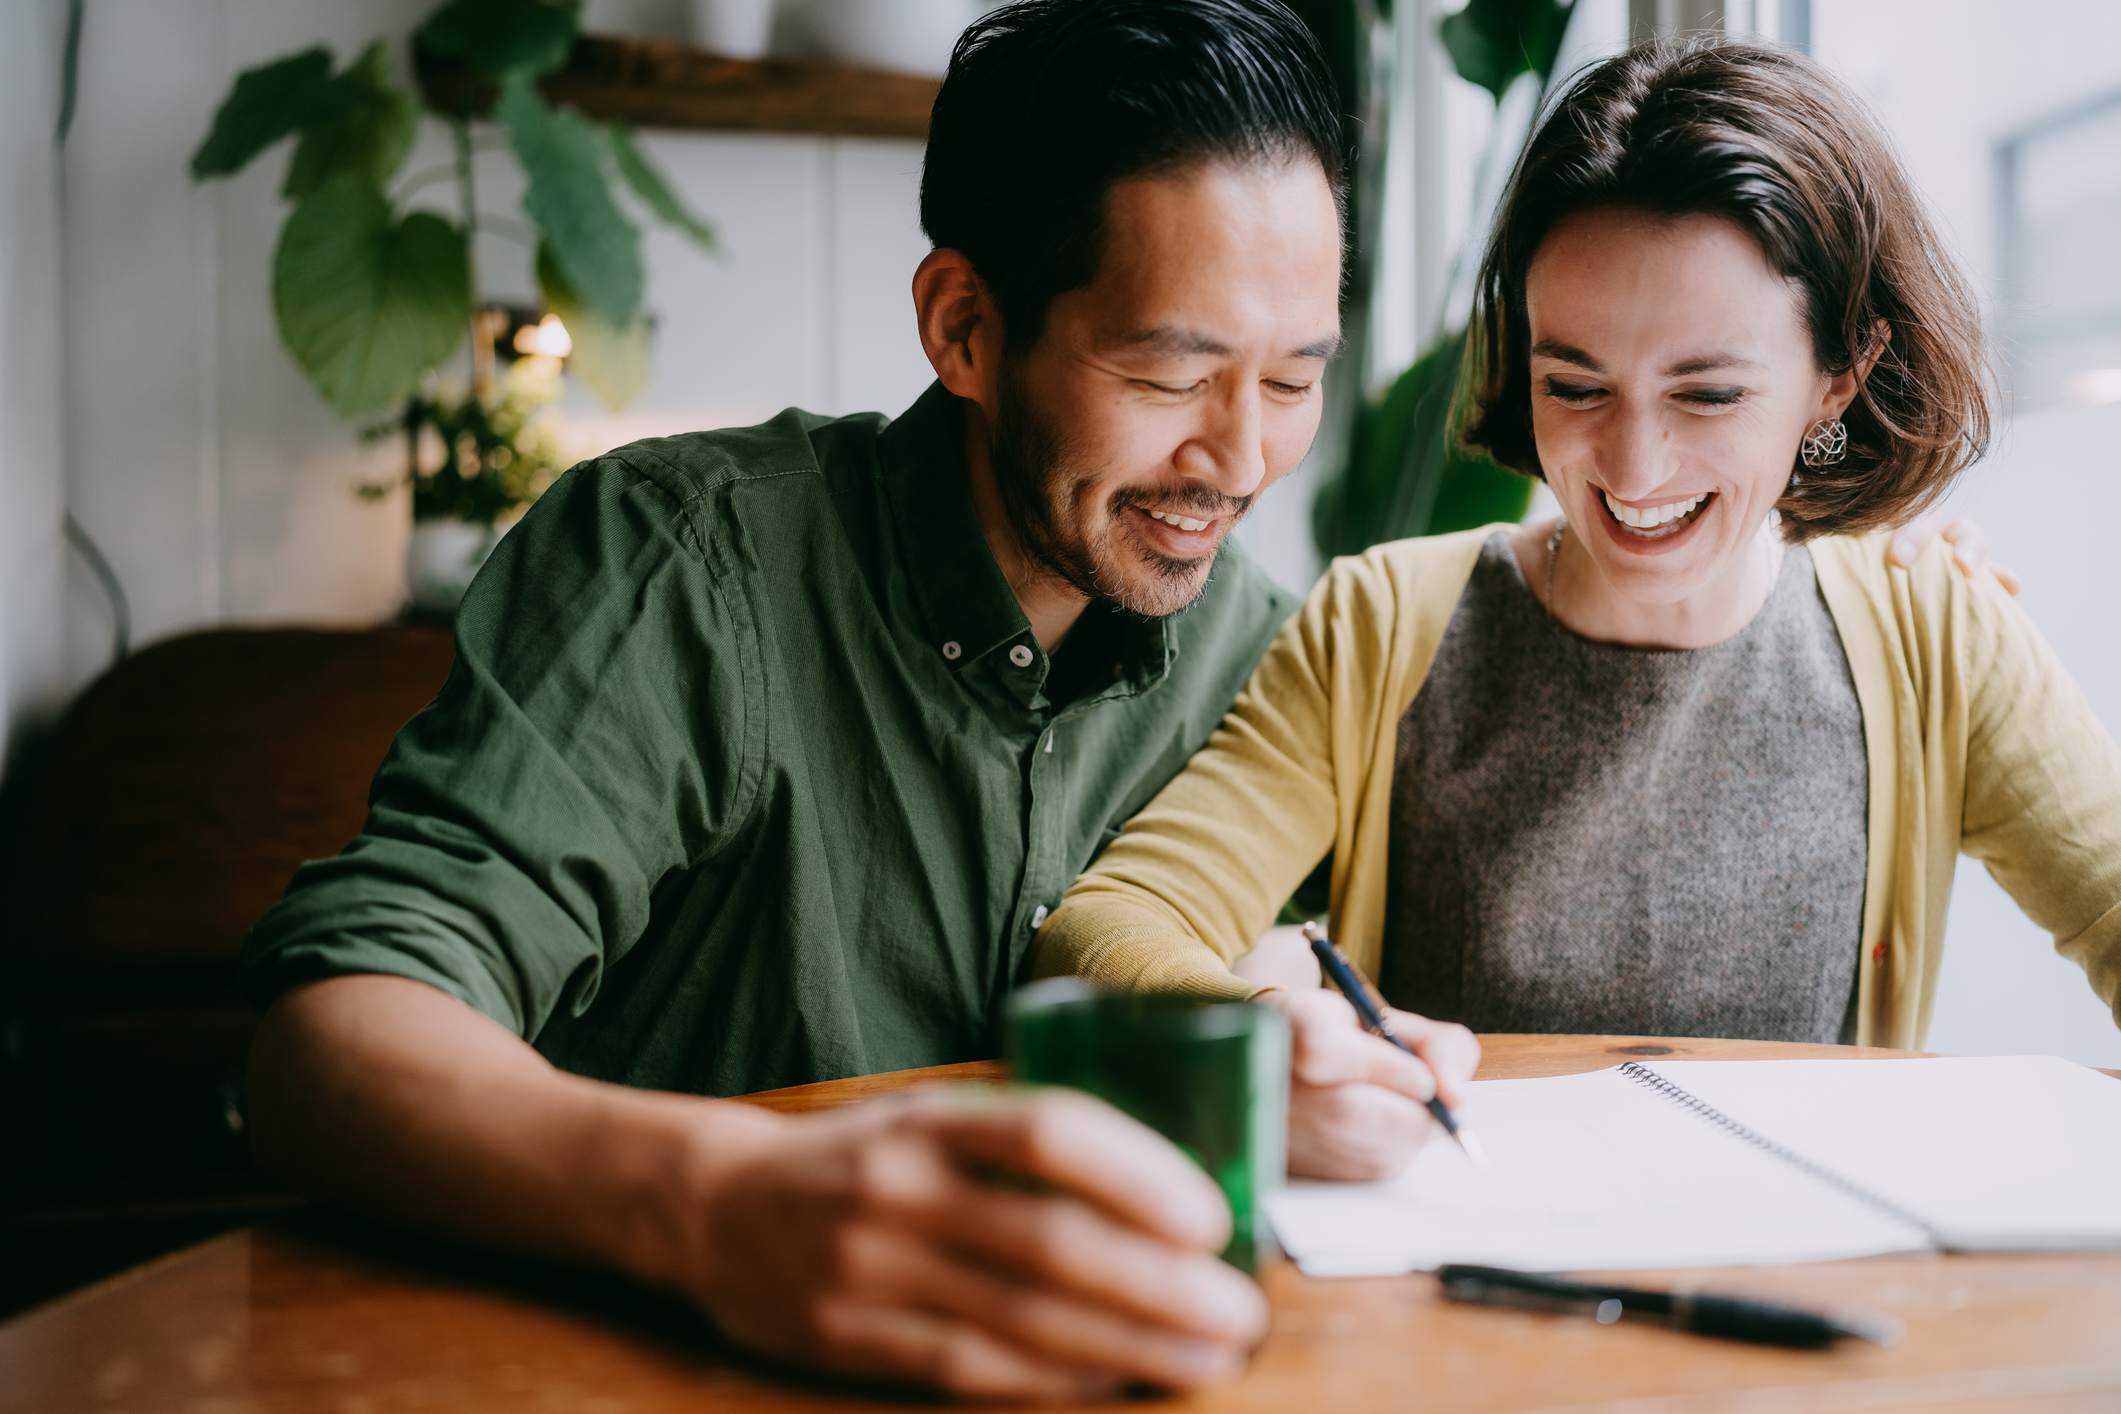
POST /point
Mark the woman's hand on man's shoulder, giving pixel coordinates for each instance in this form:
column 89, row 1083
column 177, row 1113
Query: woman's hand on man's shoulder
column 1969, row 548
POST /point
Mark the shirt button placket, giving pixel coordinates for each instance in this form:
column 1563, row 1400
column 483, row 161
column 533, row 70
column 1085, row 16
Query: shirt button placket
column 1045, row 826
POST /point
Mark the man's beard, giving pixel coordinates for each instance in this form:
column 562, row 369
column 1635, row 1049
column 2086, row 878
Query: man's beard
column 1045, row 487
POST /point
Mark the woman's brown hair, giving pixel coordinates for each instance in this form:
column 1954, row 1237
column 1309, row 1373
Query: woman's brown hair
column 1766, row 139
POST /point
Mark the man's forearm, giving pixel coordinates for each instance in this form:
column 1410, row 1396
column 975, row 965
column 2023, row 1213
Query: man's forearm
column 396, row 1099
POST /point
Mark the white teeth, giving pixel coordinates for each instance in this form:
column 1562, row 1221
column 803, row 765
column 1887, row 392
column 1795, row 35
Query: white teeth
column 1182, row 522
column 1652, row 518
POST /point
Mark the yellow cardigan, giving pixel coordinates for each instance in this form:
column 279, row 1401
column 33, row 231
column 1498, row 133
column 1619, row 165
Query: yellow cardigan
column 1976, row 737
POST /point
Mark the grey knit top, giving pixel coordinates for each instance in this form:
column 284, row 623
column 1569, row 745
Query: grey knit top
column 1590, row 838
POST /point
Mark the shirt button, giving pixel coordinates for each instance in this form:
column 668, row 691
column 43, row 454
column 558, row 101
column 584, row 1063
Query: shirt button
column 1020, row 655
column 952, row 651
column 1878, row 954
column 1038, row 918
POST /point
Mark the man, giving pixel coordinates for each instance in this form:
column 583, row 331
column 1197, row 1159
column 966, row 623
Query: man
column 767, row 751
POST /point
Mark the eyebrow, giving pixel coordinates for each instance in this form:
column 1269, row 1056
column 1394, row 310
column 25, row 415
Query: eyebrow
column 1566, row 353
column 1327, row 348
column 1167, row 339
column 1707, row 363
column 1685, row 368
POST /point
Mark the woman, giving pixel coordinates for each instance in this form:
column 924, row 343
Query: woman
column 1691, row 760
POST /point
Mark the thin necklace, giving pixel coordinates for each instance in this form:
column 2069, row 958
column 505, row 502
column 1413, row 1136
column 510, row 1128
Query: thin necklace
column 1553, row 559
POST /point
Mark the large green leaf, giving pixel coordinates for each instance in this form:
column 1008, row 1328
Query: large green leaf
column 1492, row 42
column 365, row 125
column 500, row 37
column 612, row 360
column 267, row 103
column 592, row 242
column 1357, row 508
column 1475, row 491
column 368, row 303
column 648, row 184
column 1407, row 475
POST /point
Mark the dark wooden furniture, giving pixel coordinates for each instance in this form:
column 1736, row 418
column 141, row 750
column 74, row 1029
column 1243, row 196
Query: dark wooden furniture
column 306, row 1315
column 163, row 816
column 654, row 84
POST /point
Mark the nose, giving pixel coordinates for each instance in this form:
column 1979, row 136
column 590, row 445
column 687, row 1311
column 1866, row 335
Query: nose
column 1635, row 457
column 1226, row 450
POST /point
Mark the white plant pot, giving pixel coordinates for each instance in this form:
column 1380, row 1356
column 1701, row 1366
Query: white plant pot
column 911, row 36
column 441, row 558
column 736, row 29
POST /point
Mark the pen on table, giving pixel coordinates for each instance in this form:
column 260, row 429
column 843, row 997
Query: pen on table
column 1732, row 1317
column 1351, row 986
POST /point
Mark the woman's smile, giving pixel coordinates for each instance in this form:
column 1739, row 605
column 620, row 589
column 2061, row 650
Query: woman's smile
column 1653, row 527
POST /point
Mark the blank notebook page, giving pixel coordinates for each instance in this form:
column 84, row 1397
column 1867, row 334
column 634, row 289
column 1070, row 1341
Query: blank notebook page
column 2011, row 1152
column 1603, row 1170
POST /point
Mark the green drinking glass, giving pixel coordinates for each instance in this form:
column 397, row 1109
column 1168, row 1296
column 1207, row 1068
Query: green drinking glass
column 1212, row 1077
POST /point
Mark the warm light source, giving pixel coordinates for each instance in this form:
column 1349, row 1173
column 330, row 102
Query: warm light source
column 547, row 338
column 2096, row 386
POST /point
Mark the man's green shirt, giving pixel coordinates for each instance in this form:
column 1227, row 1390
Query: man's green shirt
column 750, row 771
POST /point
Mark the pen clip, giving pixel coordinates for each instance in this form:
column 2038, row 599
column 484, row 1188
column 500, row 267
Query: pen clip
column 1352, row 985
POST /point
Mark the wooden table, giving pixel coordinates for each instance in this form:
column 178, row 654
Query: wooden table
column 323, row 1314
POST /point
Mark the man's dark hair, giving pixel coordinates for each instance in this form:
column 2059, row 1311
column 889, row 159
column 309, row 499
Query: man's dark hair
column 1048, row 103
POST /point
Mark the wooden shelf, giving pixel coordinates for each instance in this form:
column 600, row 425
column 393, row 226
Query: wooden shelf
column 652, row 84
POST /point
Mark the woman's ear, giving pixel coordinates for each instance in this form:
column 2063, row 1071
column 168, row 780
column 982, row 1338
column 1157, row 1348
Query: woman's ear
column 960, row 326
column 1842, row 387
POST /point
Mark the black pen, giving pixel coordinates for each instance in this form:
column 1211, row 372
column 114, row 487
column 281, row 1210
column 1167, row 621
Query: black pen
column 1351, row 986
column 1731, row 1317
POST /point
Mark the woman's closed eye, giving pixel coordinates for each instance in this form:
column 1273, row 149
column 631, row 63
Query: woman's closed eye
column 1713, row 397
column 1574, row 394
column 1579, row 394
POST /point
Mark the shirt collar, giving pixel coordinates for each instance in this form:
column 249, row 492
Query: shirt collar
column 968, row 608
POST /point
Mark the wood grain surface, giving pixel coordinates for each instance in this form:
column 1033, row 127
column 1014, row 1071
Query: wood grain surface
column 655, row 84
column 322, row 1313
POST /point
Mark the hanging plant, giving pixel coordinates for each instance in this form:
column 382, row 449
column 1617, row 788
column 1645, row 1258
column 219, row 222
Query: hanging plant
column 371, row 291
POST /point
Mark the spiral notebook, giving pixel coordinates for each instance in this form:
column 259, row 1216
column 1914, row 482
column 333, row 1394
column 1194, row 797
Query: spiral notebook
column 1713, row 1163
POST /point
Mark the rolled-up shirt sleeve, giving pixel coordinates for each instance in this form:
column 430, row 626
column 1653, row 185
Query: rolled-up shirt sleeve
column 597, row 732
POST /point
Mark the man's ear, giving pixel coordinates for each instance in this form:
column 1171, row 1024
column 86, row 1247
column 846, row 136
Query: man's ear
column 960, row 326
column 1842, row 387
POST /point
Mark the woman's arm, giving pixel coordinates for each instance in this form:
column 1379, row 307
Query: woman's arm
column 1205, row 867
column 1197, row 875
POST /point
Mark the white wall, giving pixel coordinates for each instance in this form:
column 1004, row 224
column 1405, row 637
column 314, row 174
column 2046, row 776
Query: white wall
column 1950, row 77
column 219, row 483
column 31, row 545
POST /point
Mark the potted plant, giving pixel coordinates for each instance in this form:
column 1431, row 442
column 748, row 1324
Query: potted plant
column 473, row 463
column 373, row 290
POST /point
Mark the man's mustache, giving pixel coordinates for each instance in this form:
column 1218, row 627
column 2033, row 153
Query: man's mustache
column 1197, row 501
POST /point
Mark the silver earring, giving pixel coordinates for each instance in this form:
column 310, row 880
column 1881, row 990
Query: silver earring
column 1825, row 444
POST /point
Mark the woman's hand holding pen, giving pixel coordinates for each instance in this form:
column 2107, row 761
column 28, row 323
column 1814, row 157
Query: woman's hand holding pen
column 1355, row 1100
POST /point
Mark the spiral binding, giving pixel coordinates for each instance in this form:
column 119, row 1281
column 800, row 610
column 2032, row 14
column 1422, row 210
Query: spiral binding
column 1687, row 1099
